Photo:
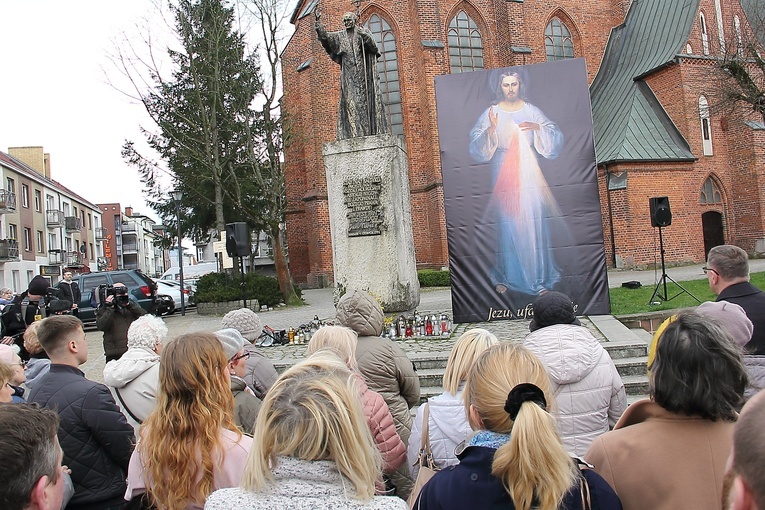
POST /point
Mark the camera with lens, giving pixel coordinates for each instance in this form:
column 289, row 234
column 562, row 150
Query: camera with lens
column 120, row 294
column 54, row 305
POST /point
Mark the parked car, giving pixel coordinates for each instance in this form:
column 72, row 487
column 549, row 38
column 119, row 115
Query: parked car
column 165, row 305
column 173, row 289
column 141, row 289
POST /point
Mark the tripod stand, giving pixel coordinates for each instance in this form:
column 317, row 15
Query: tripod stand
column 665, row 277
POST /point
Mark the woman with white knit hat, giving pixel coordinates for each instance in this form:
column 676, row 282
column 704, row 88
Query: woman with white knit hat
column 260, row 373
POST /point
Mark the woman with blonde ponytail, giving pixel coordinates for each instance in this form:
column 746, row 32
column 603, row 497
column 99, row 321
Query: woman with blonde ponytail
column 516, row 458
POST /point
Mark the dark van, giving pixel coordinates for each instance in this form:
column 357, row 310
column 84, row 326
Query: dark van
column 140, row 287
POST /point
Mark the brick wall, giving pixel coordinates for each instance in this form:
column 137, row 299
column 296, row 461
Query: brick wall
column 311, row 95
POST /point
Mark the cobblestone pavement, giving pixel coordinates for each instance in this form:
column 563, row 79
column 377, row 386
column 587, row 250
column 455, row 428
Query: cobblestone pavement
column 319, row 302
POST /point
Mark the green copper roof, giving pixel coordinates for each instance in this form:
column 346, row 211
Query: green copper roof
column 630, row 123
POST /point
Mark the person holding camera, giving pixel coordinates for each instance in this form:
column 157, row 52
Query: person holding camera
column 26, row 308
column 114, row 316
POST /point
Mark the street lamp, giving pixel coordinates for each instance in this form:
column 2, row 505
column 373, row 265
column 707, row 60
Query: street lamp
column 177, row 196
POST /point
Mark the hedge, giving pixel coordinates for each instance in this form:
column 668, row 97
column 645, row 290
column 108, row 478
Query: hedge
column 433, row 278
column 218, row 287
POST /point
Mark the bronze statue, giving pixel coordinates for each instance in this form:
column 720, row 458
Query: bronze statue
column 361, row 111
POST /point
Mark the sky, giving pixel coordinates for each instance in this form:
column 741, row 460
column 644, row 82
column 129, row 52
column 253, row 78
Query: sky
column 54, row 68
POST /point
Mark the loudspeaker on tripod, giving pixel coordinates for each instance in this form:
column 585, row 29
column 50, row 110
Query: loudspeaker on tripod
column 237, row 239
column 661, row 215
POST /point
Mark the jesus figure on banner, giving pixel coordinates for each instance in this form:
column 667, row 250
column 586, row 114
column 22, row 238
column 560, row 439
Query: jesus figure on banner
column 511, row 134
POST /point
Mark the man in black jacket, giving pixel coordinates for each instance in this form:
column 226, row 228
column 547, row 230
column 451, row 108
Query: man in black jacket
column 25, row 309
column 727, row 271
column 114, row 317
column 69, row 290
column 96, row 439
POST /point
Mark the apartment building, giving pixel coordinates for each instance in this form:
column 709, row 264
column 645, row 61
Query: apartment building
column 45, row 227
column 130, row 241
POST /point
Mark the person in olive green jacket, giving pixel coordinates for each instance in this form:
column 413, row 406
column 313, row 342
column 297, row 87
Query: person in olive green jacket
column 114, row 317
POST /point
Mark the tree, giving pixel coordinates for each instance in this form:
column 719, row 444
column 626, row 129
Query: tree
column 221, row 152
column 743, row 64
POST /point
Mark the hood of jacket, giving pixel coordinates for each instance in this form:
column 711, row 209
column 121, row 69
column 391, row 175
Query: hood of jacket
column 568, row 352
column 360, row 311
column 120, row 372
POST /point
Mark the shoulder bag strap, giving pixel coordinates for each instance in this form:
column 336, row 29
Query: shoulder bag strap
column 425, row 439
column 124, row 405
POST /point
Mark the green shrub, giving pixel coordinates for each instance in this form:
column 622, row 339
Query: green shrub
column 433, row 278
column 217, row 287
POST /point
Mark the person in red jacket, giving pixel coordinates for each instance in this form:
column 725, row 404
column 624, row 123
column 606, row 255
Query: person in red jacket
column 342, row 342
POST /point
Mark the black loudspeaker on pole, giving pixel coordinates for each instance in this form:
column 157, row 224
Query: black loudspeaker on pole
column 237, row 239
column 661, row 216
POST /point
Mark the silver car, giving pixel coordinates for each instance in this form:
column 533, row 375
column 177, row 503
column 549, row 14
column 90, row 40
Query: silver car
column 173, row 289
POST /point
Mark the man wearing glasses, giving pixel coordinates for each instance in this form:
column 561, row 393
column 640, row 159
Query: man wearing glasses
column 246, row 404
column 727, row 271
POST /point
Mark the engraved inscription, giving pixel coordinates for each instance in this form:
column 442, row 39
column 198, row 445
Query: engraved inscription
column 362, row 198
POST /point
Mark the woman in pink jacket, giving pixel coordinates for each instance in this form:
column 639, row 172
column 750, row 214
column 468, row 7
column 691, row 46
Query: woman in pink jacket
column 342, row 341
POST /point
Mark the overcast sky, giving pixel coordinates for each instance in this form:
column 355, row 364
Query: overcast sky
column 53, row 92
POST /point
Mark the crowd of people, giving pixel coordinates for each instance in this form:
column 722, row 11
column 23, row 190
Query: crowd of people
column 204, row 421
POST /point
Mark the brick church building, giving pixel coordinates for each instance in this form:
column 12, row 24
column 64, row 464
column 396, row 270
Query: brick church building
column 654, row 90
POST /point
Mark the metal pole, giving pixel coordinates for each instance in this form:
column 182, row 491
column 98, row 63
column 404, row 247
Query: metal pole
column 241, row 271
column 180, row 256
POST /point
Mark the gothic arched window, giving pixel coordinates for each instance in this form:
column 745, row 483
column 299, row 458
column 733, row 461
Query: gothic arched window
column 706, row 127
column 704, row 33
column 710, row 193
column 387, row 67
column 558, row 42
column 465, row 45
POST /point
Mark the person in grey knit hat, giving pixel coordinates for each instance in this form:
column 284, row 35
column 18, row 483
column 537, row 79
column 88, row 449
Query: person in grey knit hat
column 260, row 373
column 246, row 404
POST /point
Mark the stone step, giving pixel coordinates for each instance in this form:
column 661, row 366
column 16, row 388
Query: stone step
column 632, row 366
column 642, row 334
column 636, row 384
column 626, row 349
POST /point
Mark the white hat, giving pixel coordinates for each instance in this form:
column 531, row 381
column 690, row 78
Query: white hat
column 231, row 340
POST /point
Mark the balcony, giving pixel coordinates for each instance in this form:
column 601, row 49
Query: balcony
column 72, row 224
column 54, row 218
column 128, row 248
column 7, row 201
column 129, row 228
column 55, row 257
column 9, row 250
column 73, row 258
column 101, row 233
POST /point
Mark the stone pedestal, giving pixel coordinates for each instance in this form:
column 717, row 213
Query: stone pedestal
column 371, row 221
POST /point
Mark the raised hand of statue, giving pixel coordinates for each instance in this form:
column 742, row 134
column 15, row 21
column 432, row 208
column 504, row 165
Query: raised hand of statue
column 317, row 14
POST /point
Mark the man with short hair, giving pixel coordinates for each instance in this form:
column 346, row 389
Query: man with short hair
column 30, row 471
column 69, row 290
column 727, row 271
column 745, row 479
column 96, row 439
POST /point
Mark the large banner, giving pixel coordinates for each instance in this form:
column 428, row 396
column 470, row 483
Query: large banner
column 520, row 190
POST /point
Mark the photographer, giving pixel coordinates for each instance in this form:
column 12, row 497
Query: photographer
column 114, row 316
column 26, row 308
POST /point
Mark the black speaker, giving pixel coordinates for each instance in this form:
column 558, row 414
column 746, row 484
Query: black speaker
column 237, row 239
column 661, row 215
